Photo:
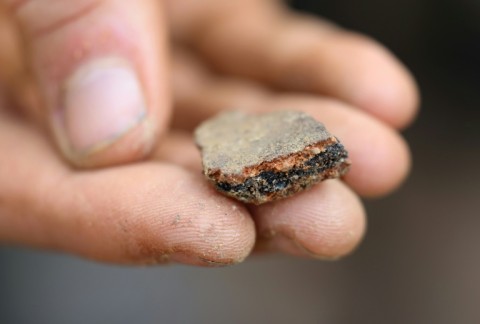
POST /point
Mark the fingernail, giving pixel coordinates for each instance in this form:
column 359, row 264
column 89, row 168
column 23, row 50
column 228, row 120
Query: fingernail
column 102, row 101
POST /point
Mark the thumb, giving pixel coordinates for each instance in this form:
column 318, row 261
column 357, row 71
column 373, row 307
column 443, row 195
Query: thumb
column 101, row 69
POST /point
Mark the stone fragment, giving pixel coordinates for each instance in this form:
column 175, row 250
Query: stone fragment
column 261, row 158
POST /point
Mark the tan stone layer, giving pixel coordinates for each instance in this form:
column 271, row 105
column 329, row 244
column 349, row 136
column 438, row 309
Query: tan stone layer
column 280, row 164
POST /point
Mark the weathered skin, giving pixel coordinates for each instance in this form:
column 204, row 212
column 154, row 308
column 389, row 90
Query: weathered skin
column 261, row 158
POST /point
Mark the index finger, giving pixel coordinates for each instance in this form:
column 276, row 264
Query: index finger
column 146, row 213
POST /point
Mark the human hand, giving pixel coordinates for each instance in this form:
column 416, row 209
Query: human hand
column 104, row 87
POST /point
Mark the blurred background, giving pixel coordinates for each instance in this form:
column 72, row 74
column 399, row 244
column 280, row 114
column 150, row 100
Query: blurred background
column 419, row 263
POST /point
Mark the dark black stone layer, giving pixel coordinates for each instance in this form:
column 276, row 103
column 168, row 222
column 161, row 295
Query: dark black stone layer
column 268, row 182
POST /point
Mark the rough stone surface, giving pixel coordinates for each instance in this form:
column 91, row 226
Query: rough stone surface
column 261, row 158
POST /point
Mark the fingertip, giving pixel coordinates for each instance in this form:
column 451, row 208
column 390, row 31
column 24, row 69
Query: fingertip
column 161, row 213
column 380, row 83
column 347, row 224
column 326, row 222
column 382, row 165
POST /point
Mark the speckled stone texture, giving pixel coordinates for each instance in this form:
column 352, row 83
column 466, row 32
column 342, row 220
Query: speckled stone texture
column 261, row 158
